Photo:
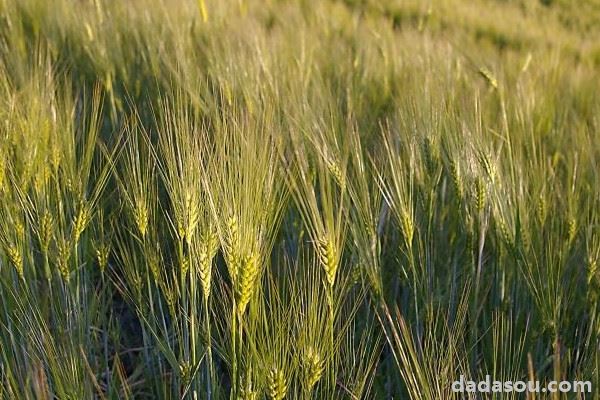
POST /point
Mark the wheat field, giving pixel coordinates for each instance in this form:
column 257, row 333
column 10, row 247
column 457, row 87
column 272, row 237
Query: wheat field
column 298, row 199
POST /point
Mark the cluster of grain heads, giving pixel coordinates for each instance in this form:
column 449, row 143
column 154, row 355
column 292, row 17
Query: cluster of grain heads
column 50, row 192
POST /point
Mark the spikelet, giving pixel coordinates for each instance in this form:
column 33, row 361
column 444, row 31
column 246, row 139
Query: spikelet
column 184, row 265
column 334, row 169
column 180, row 226
column 328, row 256
column 2, row 173
column 480, row 195
column 211, row 239
column 592, row 268
column 542, row 208
column 457, row 180
column 247, row 391
column 102, row 253
column 246, row 283
column 55, row 158
column 208, row 249
column 19, row 230
column 313, row 368
column 140, row 216
column 504, row 232
column 69, row 185
column 572, row 229
column 408, row 226
column 153, row 260
column 276, row 384
column 231, row 247
column 81, row 220
column 46, row 225
column 185, row 372
column 192, row 214
column 16, row 259
column 170, row 298
column 63, row 248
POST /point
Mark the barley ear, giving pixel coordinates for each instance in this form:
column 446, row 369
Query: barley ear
column 81, row 220
column 62, row 258
column 16, row 259
column 276, row 384
column 208, row 249
column 329, row 259
column 246, row 283
column 313, row 368
column 140, row 216
column 231, row 247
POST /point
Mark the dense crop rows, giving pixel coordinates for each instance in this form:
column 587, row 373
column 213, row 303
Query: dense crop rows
column 297, row 199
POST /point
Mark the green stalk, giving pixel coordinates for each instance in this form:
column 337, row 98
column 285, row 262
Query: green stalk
column 331, row 335
column 182, row 279
column 210, row 370
column 192, row 316
column 234, row 366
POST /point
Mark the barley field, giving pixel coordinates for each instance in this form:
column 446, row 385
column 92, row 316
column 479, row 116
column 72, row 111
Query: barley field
column 298, row 199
